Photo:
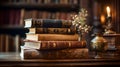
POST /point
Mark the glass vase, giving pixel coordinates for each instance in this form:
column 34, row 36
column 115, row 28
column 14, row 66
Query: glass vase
column 82, row 37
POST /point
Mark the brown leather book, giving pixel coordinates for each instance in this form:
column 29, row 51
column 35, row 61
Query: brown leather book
column 48, row 45
column 52, row 37
column 52, row 30
column 77, row 53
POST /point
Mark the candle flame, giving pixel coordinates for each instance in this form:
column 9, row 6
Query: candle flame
column 108, row 11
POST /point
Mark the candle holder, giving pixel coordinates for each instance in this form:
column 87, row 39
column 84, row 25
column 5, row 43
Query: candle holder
column 108, row 26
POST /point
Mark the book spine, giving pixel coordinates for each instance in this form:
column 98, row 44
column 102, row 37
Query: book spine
column 48, row 45
column 79, row 53
column 52, row 30
column 48, row 23
column 52, row 37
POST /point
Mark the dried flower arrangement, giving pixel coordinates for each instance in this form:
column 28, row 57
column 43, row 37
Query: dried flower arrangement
column 79, row 21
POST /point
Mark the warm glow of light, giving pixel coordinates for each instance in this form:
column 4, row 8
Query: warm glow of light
column 102, row 18
column 108, row 11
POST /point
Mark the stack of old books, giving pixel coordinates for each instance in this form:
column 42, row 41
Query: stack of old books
column 52, row 39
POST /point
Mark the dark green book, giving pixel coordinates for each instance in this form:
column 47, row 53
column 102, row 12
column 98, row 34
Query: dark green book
column 47, row 23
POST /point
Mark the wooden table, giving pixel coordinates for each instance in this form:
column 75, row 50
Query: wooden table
column 13, row 59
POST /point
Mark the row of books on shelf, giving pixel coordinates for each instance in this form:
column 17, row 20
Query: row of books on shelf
column 10, row 17
column 11, row 37
column 21, row 14
column 7, row 43
column 53, row 44
column 47, row 14
column 45, row 1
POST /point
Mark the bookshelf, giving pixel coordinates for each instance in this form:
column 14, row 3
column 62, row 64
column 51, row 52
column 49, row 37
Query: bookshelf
column 13, row 12
column 66, row 7
column 38, row 9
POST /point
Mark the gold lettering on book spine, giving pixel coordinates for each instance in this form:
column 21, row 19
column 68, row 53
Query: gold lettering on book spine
column 54, row 44
column 38, row 23
column 69, row 44
column 66, row 23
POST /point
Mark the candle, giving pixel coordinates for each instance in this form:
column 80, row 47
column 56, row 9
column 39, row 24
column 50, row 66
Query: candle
column 108, row 11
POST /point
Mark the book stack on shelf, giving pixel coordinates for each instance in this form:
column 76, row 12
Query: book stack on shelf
column 52, row 39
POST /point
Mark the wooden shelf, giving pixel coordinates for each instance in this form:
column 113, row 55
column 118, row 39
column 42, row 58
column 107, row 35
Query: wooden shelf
column 51, row 7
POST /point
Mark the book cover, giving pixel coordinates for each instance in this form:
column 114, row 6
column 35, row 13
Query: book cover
column 52, row 37
column 77, row 53
column 49, row 45
column 48, row 23
column 52, row 30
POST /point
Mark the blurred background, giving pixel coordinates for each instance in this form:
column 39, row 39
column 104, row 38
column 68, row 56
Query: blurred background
column 13, row 13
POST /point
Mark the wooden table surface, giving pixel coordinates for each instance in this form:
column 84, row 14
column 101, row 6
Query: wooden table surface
column 14, row 59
